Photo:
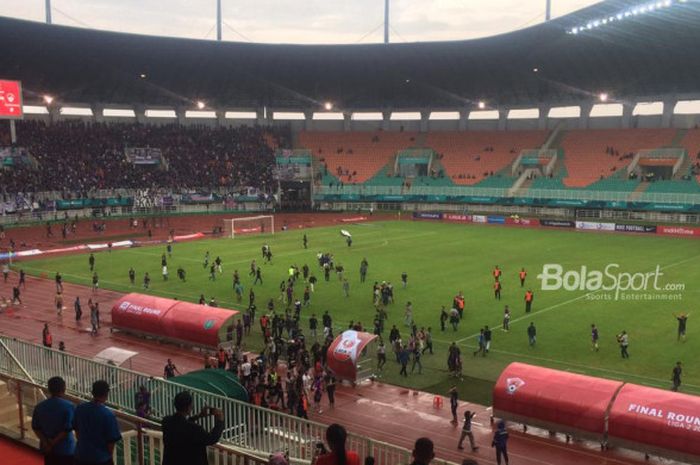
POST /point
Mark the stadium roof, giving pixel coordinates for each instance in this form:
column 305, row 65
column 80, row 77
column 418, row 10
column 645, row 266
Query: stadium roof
column 655, row 53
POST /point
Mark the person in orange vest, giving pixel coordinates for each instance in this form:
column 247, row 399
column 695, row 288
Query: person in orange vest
column 459, row 304
column 46, row 337
column 528, row 300
column 522, row 276
column 497, row 273
column 497, row 290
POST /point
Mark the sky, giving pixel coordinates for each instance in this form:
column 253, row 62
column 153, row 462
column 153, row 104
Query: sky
column 299, row 21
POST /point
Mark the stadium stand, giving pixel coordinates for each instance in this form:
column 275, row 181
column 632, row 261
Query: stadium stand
column 79, row 157
column 355, row 157
column 471, row 157
column 691, row 142
column 591, row 155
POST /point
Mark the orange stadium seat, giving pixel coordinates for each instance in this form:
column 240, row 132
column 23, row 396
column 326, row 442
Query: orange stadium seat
column 691, row 142
column 464, row 155
column 362, row 153
column 585, row 155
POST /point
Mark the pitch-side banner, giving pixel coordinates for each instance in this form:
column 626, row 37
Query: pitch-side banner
column 595, row 226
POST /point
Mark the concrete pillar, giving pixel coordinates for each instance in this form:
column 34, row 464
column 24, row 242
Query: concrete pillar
column 627, row 108
column 386, row 115
column 424, row 118
column 97, row 116
column 502, row 119
column 180, row 115
column 262, row 118
column 140, row 112
column 667, row 115
column 309, row 120
column 347, row 121
column 463, row 119
column 542, row 120
column 585, row 115
column 221, row 118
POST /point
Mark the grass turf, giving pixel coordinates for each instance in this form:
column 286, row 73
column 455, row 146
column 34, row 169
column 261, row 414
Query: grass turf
column 440, row 260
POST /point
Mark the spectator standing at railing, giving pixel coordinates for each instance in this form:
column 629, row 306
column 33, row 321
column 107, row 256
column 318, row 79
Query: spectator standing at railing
column 336, row 437
column 52, row 423
column 96, row 428
column 423, row 452
column 184, row 441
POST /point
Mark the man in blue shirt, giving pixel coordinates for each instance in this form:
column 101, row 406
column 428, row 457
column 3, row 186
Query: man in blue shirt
column 52, row 422
column 96, row 428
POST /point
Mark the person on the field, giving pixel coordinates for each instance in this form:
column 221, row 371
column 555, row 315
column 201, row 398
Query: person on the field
column 467, row 431
column 480, row 348
column 500, row 442
column 305, row 241
column 165, row 272
column 497, row 273
column 522, row 275
column 497, row 290
column 454, row 403
column 349, row 241
column 506, row 319
column 146, row 280
column 532, row 334
column 459, row 303
column 595, row 336
column 682, row 322
column 91, row 261
column 22, row 279
column 346, row 287
column 212, row 272
column 253, row 267
column 95, row 282
column 206, row 260
column 312, row 282
column 408, row 315
column 443, row 318
column 404, row 279
column 676, row 376
column 258, row 276
column 59, row 282
column 202, row 300
column 217, row 261
column 381, row 355
column 487, row 340
column 403, row 356
column 58, row 300
column 529, row 296
column 181, row 274
column 623, row 340
column 5, row 272
column 169, row 249
column 428, row 340
column 132, row 276
column 454, row 318
column 78, row 309
column 364, row 265
column 163, row 260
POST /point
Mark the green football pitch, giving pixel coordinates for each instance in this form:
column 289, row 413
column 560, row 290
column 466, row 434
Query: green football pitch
column 442, row 259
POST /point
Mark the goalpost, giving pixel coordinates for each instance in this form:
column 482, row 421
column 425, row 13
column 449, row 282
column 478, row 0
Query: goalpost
column 262, row 224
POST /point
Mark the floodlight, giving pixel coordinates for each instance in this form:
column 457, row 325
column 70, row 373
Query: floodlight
column 200, row 104
column 482, row 105
column 48, row 99
column 143, row 76
column 603, row 97
column 328, row 106
column 535, row 70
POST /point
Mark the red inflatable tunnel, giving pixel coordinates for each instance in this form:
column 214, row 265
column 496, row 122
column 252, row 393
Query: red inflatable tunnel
column 656, row 422
column 345, row 353
column 554, row 400
column 174, row 320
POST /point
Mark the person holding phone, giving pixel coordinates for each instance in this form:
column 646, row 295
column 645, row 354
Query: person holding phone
column 184, row 441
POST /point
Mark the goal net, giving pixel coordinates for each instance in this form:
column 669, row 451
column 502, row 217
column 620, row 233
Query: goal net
column 264, row 224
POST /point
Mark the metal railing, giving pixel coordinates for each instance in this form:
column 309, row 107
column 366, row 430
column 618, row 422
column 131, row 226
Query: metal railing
column 142, row 440
column 248, row 427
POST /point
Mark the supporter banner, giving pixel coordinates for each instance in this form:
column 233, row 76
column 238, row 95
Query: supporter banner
column 637, row 228
column 455, row 217
column 143, row 155
column 522, row 221
column 479, row 219
column 353, row 219
column 345, row 351
column 677, row 231
column 595, row 226
column 428, row 215
column 495, row 220
column 558, row 223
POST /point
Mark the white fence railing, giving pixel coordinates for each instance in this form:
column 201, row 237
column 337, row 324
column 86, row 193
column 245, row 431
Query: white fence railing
column 247, row 427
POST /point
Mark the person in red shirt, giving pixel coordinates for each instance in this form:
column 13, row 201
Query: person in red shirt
column 497, row 290
column 522, row 276
column 336, row 437
column 497, row 273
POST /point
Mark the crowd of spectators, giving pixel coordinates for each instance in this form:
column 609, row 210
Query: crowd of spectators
column 81, row 157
